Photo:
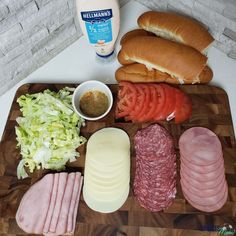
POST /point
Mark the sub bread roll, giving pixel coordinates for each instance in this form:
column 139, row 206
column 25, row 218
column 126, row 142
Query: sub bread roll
column 138, row 73
column 179, row 61
column 135, row 33
column 176, row 28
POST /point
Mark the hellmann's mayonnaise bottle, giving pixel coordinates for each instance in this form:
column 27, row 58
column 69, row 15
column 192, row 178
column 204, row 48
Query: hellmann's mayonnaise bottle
column 100, row 23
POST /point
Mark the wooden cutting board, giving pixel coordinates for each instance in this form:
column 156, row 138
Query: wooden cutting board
column 210, row 109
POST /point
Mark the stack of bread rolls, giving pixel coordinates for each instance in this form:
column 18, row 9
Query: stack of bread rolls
column 167, row 48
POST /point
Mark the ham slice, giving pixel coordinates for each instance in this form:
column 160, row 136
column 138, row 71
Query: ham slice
column 210, row 176
column 210, row 208
column 200, row 145
column 205, row 192
column 202, row 185
column 202, row 169
column 76, row 207
column 74, row 197
column 50, row 206
column 52, row 203
column 207, row 200
column 32, row 212
column 64, row 212
column 59, row 199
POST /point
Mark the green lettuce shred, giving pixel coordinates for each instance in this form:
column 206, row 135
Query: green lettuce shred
column 48, row 133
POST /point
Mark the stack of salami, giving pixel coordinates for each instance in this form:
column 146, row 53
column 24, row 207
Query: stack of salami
column 155, row 174
column 202, row 169
column 50, row 206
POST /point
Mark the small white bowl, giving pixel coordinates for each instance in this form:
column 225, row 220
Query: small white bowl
column 91, row 85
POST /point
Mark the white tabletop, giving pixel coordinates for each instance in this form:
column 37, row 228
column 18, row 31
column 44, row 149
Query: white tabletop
column 77, row 63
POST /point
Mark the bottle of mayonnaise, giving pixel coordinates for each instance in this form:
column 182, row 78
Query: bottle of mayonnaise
column 100, row 23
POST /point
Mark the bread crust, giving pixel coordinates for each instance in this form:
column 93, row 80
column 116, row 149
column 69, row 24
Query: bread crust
column 138, row 73
column 179, row 61
column 135, row 33
column 177, row 28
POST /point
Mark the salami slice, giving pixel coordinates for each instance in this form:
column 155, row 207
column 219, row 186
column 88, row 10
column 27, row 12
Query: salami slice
column 155, row 175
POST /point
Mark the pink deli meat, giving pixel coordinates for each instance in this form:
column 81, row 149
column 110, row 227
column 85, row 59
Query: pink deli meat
column 210, row 208
column 200, row 145
column 52, row 203
column 60, row 195
column 205, row 192
column 76, row 206
column 202, row 169
column 74, row 197
column 64, row 212
column 210, row 176
column 199, row 185
column 32, row 212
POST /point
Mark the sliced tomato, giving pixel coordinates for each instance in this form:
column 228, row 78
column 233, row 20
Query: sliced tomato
column 139, row 103
column 183, row 108
column 140, row 117
column 160, row 102
column 152, row 105
column 168, row 110
column 127, row 96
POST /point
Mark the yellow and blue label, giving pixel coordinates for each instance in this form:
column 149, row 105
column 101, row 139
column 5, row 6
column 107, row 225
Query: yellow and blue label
column 98, row 25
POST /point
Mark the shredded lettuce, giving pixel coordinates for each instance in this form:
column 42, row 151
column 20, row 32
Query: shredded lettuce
column 48, row 133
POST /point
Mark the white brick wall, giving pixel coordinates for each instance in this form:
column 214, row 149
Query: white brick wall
column 31, row 33
column 218, row 16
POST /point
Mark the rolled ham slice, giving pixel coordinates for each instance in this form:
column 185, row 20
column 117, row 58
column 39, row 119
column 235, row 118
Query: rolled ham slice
column 76, row 207
column 50, row 206
column 75, row 195
column 52, row 203
column 32, row 212
column 64, row 212
column 60, row 195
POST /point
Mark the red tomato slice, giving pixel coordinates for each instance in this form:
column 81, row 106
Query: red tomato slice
column 152, row 106
column 127, row 96
column 160, row 102
column 169, row 108
column 139, row 103
column 145, row 108
column 183, row 108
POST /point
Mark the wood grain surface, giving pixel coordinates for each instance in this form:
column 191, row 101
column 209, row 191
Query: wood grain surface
column 210, row 109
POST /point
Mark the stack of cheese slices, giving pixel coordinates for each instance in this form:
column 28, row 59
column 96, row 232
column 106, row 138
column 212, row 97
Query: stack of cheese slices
column 107, row 170
column 167, row 48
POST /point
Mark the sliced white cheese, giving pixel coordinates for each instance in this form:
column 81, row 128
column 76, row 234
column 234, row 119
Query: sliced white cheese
column 107, row 170
column 105, row 206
